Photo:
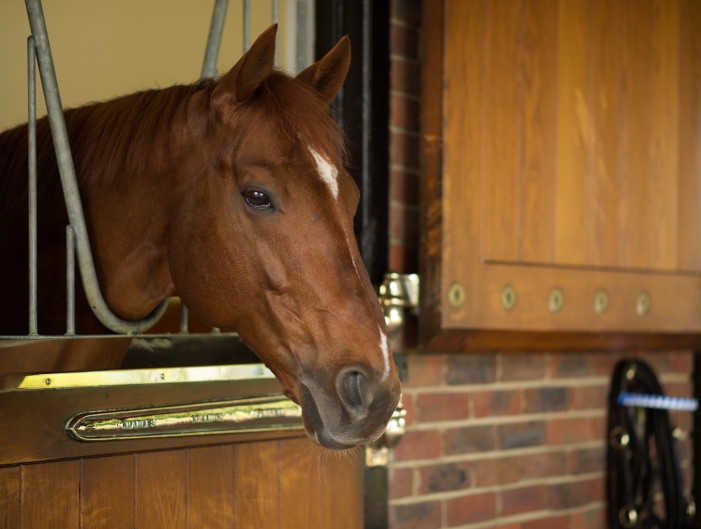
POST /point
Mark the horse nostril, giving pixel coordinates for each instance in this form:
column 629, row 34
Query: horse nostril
column 353, row 390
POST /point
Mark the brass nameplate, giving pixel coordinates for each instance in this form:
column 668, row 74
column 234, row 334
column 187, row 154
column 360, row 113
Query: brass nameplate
column 247, row 415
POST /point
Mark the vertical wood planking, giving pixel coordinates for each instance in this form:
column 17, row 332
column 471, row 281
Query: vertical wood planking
column 107, row 492
column 463, row 178
column 51, row 495
column 342, row 490
column 256, row 485
column 603, row 144
column 539, row 87
column 664, row 138
column 9, row 497
column 573, row 124
column 160, row 490
column 300, row 484
column 634, row 220
column 210, row 487
column 690, row 138
column 503, row 120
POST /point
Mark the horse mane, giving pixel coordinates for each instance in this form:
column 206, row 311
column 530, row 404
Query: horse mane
column 122, row 136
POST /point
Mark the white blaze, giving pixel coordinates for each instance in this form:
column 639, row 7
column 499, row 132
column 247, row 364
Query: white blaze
column 328, row 172
column 385, row 354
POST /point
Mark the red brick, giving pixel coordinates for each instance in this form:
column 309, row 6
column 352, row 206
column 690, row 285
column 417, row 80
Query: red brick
column 522, row 499
column 522, row 366
column 577, row 493
column 441, row 478
column 404, row 149
column 514, row 525
column 542, row 465
column 404, row 187
column 418, row 445
column 571, row 365
column 471, row 369
column 401, row 482
column 554, row 522
column 403, row 258
column 405, row 76
column 404, row 223
column 493, row 403
column 566, row 431
column 404, row 41
column 425, row 515
column 589, row 397
column 588, row 460
column 660, row 362
column 604, row 363
column 545, row 399
column 443, row 407
column 489, row 472
column 684, row 362
column 678, row 389
column 594, row 518
column 408, row 403
column 471, row 509
column 408, row 11
column 469, row 439
column 521, row 435
column 404, row 112
column 425, row 370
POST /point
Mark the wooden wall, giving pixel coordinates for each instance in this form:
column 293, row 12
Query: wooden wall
column 287, row 484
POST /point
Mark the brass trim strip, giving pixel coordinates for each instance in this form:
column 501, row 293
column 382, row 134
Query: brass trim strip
column 246, row 415
column 129, row 377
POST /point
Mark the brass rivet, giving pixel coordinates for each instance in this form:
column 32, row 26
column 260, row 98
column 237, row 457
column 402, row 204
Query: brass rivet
column 456, row 295
column 556, row 300
column 48, row 381
column 601, row 301
column 508, row 297
column 642, row 304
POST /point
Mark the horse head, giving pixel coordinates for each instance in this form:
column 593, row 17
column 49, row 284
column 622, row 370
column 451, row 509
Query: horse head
column 261, row 241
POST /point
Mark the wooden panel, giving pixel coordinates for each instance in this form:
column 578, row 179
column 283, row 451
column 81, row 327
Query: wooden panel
column 300, row 484
column 51, row 495
column 603, row 139
column 210, row 487
column 256, row 479
column 664, row 137
column 9, row 497
column 689, row 137
column 160, row 490
column 537, row 189
column 633, row 223
column 108, row 497
column 464, row 86
column 502, row 113
column 573, row 124
column 340, row 510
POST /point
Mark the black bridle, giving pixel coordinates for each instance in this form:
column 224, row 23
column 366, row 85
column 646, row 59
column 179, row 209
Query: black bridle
column 641, row 452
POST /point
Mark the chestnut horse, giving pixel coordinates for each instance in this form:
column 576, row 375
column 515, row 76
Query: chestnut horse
column 230, row 193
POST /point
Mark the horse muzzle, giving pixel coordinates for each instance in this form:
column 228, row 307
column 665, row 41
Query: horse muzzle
column 353, row 410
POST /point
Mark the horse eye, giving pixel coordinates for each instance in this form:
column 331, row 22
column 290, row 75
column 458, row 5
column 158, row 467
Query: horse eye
column 257, row 199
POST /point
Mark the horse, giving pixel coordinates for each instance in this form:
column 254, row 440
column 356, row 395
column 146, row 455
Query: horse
column 230, row 193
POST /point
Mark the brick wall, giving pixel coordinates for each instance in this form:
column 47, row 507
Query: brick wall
column 494, row 441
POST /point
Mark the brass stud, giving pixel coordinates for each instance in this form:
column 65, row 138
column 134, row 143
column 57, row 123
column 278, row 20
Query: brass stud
column 508, row 297
column 456, row 295
column 642, row 304
column 556, row 300
column 601, row 301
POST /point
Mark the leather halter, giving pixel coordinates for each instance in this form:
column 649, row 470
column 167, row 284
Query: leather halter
column 641, row 452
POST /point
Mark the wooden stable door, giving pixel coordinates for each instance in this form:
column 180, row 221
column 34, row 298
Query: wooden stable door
column 278, row 484
column 563, row 174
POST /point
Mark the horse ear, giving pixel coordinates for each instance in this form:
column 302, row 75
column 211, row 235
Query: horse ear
column 327, row 75
column 240, row 83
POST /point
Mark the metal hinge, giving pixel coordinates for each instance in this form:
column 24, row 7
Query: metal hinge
column 398, row 294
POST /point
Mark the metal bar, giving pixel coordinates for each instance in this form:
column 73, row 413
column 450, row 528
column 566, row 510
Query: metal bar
column 70, row 280
column 32, row 184
column 216, row 28
column 70, row 185
column 246, row 25
column 301, row 59
column 183, row 318
column 276, row 19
